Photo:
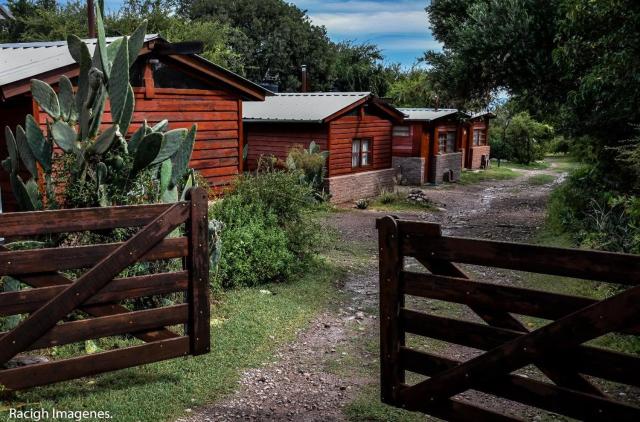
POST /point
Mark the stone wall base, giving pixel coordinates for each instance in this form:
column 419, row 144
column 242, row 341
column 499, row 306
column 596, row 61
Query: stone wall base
column 351, row 187
column 446, row 167
column 410, row 169
column 476, row 154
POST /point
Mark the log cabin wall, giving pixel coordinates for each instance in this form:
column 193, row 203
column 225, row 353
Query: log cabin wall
column 477, row 155
column 12, row 113
column 278, row 138
column 342, row 132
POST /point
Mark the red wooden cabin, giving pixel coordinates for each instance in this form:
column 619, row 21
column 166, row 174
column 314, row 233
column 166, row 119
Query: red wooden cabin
column 475, row 145
column 355, row 127
column 427, row 145
column 183, row 88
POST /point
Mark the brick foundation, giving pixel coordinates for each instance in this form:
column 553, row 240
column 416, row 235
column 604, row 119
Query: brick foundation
column 410, row 169
column 444, row 163
column 351, row 187
column 476, row 154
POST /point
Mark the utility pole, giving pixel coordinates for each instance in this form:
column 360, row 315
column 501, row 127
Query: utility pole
column 91, row 18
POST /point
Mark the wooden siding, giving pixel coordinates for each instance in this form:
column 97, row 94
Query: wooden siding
column 408, row 146
column 278, row 138
column 12, row 113
column 343, row 130
column 216, row 154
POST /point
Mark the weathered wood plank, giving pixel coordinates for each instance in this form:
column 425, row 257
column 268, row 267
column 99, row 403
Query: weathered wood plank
column 27, row 301
column 93, row 280
column 75, row 220
column 561, row 335
column 97, row 310
column 53, row 259
column 84, row 366
column 590, row 265
column 530, row 392
column 391, row 301
column 198, row 267
column 602, row 363
column 111, row 325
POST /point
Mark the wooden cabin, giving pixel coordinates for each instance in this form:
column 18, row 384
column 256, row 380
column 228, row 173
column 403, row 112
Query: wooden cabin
column 427, row 145
column 355, row 127
column 168, row 84
column 476, row 151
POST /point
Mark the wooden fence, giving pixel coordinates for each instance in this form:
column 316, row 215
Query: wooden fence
column 97, row 293
column 557, row 349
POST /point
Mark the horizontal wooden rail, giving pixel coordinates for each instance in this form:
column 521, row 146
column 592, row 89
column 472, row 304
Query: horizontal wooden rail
column 589, row 265
column 84, row 366
column 54, row 259
column 75, row 220
column 474, row 293
column 130, row 322
column 27, row 301
column 528, row 391
column 613, row 366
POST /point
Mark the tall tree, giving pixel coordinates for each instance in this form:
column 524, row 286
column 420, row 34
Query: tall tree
column 360, row 67
column 44, row 20
column 280, row 38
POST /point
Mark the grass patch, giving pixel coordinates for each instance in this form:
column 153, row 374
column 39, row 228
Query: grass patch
column 368, row 407
column 541, row 179
column 247, row 327
column 397, row 201
column 470, row 177
column 536, row 165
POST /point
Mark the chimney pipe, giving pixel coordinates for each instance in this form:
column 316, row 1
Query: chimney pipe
column 437, row 102
column 304, row 78
column 91, row 18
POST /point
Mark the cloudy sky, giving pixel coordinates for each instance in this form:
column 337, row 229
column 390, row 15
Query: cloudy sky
column 399, row 27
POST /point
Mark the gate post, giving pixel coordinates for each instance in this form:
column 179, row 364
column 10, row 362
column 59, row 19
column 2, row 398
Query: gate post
column 391, row 300
column 198, row 266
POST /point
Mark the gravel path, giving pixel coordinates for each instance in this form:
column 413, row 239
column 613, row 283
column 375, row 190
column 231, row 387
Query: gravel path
column 297, row 385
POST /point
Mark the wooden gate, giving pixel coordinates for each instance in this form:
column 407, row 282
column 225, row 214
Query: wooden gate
column 557, row 349
column 97, row 293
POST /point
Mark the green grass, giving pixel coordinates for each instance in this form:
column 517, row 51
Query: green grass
column 541, row 179
column 470, row 177
column 396, row 201
column 536, row 165
column 247, row 327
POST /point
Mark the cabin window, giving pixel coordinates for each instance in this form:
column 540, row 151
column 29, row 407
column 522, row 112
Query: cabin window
column 361, row 153
column 401, row 131
column 479, row 137
column 447, row 141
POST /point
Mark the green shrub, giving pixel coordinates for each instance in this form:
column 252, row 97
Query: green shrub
column 269, row 231
column 362, row 204
column 388, row 197
column 597, row 216
column 312, row 164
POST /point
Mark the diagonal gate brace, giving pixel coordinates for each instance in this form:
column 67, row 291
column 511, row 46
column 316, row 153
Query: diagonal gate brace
column 93, row 280
column 611, row 314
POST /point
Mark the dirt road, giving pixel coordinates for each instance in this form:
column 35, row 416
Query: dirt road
column 335, row 359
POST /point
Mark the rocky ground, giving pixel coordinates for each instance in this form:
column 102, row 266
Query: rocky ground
column 310, row 380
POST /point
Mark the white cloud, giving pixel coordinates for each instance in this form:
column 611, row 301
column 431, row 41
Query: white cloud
column 382, row 22
column 409, row 44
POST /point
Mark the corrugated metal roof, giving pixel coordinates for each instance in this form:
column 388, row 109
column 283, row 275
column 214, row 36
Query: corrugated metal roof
column 21, row 61
column 427, row 114
column 300, row 107
column 487, row 113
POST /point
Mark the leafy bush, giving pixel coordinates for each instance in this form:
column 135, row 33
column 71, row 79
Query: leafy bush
column 269, row 232
column 597, row 216
column 362, row 204
column 312, row 164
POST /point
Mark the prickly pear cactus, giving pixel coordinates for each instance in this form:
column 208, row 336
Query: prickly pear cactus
column 101, row 161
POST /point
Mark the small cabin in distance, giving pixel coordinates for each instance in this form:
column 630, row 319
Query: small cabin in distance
column 427, row 145
column 476, row 151
column 355, row 127
column 168, row 83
